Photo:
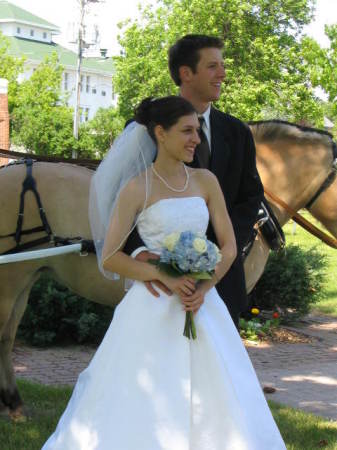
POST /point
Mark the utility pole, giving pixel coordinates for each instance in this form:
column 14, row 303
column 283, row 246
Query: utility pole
column 80, row 47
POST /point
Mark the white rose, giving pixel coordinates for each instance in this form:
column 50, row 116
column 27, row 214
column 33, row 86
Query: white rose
column 171, row 240
column 199, row 245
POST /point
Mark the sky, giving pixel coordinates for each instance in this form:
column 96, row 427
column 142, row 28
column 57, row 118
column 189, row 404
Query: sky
column 109, row 13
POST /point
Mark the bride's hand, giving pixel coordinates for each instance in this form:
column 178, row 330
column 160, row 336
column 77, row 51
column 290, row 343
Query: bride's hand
column 144, row 256
column 182, row 286
column 193, row 302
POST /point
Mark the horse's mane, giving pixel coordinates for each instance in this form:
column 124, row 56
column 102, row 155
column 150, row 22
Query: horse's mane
column 274, row 130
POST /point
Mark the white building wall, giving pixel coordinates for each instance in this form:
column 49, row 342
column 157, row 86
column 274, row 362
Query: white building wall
column 96, row 92
column 33, row 33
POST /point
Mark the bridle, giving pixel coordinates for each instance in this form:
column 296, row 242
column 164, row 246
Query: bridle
column 329, row 179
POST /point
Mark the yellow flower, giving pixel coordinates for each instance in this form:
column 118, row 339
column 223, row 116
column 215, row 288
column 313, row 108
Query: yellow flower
column 199, row 245
column 255, row 311
column 171, row 240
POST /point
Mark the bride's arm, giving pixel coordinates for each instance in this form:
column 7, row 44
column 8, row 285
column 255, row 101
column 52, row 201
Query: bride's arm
column 114, row 260
column 129, row 204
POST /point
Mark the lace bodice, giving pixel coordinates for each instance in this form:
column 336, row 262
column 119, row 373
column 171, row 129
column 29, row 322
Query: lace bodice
column 171, row 215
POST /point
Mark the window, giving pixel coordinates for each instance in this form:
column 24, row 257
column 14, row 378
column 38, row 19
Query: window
column 103, row 93
column 18, row 30
column 84, row 114
column 94, row 90
column 81, row 83
column 66, row 80
column 44, row 35
column 32, row 32
column 87, row 88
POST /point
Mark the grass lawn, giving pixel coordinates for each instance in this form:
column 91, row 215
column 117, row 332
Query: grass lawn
column 45, row 404
column 306, row 240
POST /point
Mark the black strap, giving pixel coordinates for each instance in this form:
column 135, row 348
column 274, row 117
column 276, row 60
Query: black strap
column 31, row 244
column 327, row 182
column 23, row 232
column 29, row 184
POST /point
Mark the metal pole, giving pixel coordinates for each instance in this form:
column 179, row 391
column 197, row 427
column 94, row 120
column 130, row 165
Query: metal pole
column 38, row 254
column 78, row 76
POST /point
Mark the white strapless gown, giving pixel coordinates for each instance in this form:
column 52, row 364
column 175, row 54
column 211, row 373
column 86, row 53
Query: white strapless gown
column 150, row 388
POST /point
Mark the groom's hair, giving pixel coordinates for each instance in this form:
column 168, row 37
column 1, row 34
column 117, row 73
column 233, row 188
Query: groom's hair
column 185, row 52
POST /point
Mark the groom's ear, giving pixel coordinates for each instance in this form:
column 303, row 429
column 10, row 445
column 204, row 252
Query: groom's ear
column 185, row 73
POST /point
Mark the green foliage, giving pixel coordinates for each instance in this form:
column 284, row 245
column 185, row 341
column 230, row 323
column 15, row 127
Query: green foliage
column 41, row 121
column 322, row 66
column 10, row 68
column 322, row 62
column 292, row 281
column 265, row 74
column 97, row 135
column 55, row 315
column 254, row 328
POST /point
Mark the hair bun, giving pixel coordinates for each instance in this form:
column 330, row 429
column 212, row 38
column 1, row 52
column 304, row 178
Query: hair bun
column 143, row 112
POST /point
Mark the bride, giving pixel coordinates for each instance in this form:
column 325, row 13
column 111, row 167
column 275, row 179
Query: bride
column 148, row 387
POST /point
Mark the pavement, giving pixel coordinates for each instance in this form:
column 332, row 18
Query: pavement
column 304, row 375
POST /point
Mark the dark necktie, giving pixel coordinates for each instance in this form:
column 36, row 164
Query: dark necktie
column 203, row 153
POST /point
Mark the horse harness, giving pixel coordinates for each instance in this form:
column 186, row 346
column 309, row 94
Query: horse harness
column 29, row 184
column 329, row 179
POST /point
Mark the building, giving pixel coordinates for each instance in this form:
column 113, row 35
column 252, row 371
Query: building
column 32, row 37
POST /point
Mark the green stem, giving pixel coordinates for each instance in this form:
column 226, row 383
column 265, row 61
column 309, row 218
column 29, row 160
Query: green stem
column 189, row 328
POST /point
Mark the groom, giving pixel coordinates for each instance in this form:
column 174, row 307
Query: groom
column 226, row 148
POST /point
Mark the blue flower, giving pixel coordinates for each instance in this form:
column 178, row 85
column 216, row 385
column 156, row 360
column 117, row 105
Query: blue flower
column 188, row 253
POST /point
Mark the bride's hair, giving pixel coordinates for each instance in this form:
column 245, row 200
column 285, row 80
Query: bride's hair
column 165, row 111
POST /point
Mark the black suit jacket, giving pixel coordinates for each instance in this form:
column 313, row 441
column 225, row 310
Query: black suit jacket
column 233, row 162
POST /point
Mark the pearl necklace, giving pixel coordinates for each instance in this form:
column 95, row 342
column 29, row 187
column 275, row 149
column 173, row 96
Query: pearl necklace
column 166, row 183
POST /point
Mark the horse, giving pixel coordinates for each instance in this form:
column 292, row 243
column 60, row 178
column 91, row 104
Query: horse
column 293, row 162
column 299, row 164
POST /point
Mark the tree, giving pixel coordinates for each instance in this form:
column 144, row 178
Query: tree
column 10, row 68
column 41, row 121
column 322, row 66
column 97, row 135
column 265, row 75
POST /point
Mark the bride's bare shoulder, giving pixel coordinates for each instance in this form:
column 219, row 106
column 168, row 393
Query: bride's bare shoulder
column 134, row 192
column 203, row 176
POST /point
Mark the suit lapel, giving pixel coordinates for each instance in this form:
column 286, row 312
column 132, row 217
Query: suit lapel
column 220, row 146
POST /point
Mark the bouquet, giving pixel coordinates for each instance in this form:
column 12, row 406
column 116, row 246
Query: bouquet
column 189, row 253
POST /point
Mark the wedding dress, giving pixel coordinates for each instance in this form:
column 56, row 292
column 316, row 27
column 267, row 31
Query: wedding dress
column 150, row 388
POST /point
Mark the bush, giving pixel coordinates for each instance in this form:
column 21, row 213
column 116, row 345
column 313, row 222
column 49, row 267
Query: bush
column 55, row 315
column 292, row 281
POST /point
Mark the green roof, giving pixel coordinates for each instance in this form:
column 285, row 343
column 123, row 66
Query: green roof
column 11, row 12
column 37, row 51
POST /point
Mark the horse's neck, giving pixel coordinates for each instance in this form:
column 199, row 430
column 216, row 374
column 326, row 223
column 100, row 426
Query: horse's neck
column 293, row 173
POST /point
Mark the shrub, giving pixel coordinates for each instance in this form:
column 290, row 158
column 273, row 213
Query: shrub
column 292, row 281
column 55, row 315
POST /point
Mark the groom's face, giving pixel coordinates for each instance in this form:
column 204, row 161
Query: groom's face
column 206, row 82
